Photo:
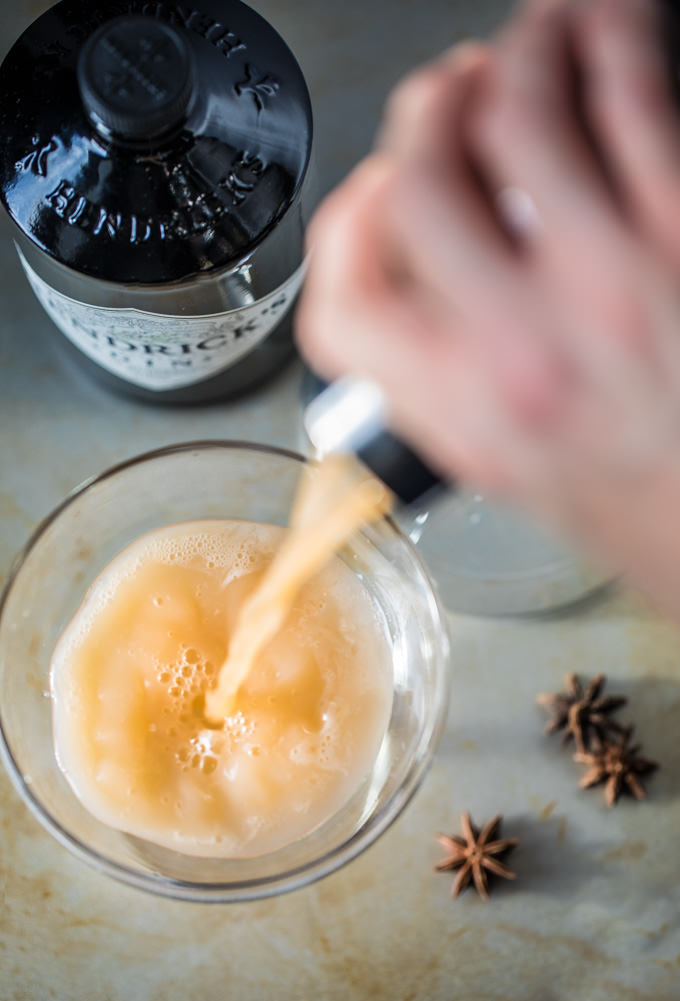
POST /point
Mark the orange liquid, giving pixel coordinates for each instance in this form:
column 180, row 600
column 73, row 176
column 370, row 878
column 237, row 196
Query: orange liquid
column 131, row 674
column 334, row 498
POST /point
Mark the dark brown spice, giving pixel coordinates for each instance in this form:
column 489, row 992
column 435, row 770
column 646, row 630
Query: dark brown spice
column 619, row 766
column 582, row 713
column 475, row 855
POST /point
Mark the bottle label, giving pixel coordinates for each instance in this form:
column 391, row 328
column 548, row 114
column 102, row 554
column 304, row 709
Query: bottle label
column 164, row 352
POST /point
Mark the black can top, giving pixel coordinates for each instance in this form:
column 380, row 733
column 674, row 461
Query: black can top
column 149, row 142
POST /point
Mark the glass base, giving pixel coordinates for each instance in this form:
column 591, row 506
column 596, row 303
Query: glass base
column 489, row 559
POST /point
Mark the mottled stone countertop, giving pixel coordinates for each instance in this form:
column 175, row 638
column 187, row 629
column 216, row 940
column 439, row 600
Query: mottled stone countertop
column 595, row 912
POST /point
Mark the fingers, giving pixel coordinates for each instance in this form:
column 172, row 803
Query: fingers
column 452, row 241
column 628, row 96
column 424, row 138
column 529, row 137
column 457, row 260
column 355, row 314
column 414, row 282
column 351, row 278
column 417, row 124
column 452, row 249
column 355, row 317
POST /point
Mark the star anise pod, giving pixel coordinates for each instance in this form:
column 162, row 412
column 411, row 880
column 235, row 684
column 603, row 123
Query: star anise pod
column 619, row 766
column 474, row 854
column 582, row 713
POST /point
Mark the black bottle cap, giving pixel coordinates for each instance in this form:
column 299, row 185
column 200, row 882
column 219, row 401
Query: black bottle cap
column 136, row 77
column 111, row 166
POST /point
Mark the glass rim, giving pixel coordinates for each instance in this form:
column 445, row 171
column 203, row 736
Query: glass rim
column 260, row 887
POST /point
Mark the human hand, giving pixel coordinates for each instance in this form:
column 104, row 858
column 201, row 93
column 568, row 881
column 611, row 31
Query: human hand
column 507, row 268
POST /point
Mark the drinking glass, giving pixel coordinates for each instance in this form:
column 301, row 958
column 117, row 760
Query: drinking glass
column 188, row 482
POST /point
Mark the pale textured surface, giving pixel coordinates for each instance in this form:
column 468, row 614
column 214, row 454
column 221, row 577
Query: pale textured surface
column 595, row 913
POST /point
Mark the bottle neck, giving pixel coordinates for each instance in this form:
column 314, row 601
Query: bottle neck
column 351, row 416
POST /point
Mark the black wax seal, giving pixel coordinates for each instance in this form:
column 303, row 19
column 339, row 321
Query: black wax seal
column 136, row 77
column 215, row 129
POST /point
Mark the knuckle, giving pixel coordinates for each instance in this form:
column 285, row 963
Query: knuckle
column 499, row 128
column 414, row 96
column 514, row 116
column 528, row 119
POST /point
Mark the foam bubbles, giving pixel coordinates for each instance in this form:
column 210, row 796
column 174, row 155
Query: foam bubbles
column 282, row 762
column 238, row 547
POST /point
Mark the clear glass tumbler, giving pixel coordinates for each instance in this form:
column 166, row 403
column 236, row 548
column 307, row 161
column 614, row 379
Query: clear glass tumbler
column 74, row 544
